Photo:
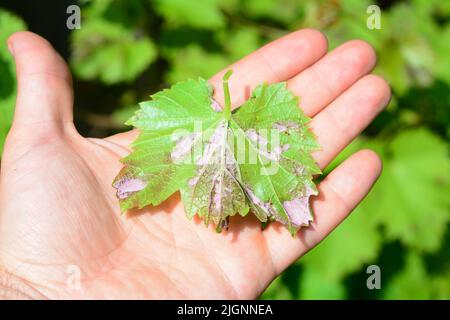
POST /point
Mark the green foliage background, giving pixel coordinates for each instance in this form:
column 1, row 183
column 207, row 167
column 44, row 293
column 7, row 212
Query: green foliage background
column 126, row 50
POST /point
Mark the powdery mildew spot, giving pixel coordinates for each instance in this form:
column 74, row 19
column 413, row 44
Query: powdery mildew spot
column 126, row 186
column 265, row 206
column 217, row 140
column 184, row 146
column 215, row 105
column 298, row 209
column 262, row 144
column 285, row 126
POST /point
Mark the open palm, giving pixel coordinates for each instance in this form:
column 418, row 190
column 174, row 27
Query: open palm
column 60, row 220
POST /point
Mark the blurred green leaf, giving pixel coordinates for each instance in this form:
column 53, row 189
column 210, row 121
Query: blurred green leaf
column 193, row 62
column 6, row 80
column 314, row 286
column 277, row 291
column 120, row 116
column 411, row 198
column 9, row 24
column 198, row 14
column 354, row 243
column 413, row 282
column 110, row 52
column 240, row 42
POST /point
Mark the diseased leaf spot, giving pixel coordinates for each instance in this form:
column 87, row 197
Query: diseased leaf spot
column 298, row 209
column 262, row 144
column 184, row 146
column 215, row 105
column 266, row 207
column 127, row 186
column 285, row 126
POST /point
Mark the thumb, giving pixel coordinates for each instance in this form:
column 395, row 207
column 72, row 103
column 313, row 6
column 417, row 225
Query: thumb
column 45, row 92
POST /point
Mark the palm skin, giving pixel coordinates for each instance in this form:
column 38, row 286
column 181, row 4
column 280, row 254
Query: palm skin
column 58, row 209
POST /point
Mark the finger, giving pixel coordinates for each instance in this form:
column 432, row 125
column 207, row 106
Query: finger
column 275, row 62
column 325, row 80
column 124, row 139
column 44, row 82
column 339, row 123
column 339, row 193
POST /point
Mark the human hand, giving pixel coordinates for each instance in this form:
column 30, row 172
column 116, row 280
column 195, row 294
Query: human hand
column 58, row 208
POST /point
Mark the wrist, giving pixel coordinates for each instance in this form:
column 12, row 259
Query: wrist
column 15, row 288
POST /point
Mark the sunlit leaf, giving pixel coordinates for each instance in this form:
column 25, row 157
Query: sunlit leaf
column 258, row 157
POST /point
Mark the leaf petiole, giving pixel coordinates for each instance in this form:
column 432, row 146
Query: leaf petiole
column 226, row 94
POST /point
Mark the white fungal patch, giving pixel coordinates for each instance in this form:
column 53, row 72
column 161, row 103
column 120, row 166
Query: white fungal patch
column 279, row 150
column 298, row 209
column 184, row 146
column 217, row 193
column 265, row 206
column 285, row 126
column 192, row 182
column 126, row 186
column 215, row 105
column 262, row 143
column 255, row 137
column 216, row 142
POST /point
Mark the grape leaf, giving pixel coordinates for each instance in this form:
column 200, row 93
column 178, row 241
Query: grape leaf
column 411, row 198
column 355, row 242
column 414, row 281
column 313, row 285
column 111, row 52
column 222, row 162
column 193, row 60
column 199, row 14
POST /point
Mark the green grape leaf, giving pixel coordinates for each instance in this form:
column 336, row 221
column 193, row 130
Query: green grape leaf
column 354, row 243
column 204, row 14
column 110, row 52
column 414, row 281
column 281, row 11
column 245, row 40
column 313, row 285
column 411, row 198
column 191, row 61
column 8, row 25
column 222, row 162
